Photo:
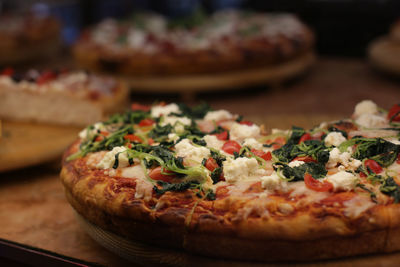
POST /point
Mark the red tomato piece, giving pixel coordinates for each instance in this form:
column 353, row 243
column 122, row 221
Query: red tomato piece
column 316, row 185
column 137, row 106
column 264, row 155
column 248, row 123
column 398, row 159
column 305, row 159
column 150, row 141
column 363, row 174
column 146, row 122
column 8, row 71
column 161, row 174
column 394, row 113
column 211, row 164
column 305, row 137
column 101, row 136
column 278, row 142
column 133, row 138
column 372, row 165
column 231, row 146
column 222, row 136
column 45, row 77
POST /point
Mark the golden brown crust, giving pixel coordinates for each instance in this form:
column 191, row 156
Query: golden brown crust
column 213, row 228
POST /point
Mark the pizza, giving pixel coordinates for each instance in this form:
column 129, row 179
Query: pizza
column 59, row 97
column 210, row 183
column 150, row 44
column 28, row 36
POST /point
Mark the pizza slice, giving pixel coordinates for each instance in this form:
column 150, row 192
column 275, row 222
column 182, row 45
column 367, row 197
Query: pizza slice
column 59, row 97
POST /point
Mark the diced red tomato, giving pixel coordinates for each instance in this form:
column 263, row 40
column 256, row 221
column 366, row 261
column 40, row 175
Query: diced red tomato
column 150, row 141
column 137, row 106
column 45, row 77
column 316, row 185
column 146, row 122
column 248, row 123
column 159, row 174
column 394, row 113
column 372, row 165
column 133, row 138
column 211, row 164
column 101, row 136
column 398, row 159
column 8, row 71
column 264, row 155
column 231, row 146
column 305, row 159
column 363, row 175
column 305, row 137
column 222, row 136
column 278, row 142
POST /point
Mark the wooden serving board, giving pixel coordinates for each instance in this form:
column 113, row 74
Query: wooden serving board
column 235, row 79
column 25, row 144
column 35, row 212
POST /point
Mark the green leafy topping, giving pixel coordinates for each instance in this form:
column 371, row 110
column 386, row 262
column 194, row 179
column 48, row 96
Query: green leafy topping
column 218, row 157
column 196, row 112
column 129, row 117
column 316, row 170
column 177, row 187
column 160, row 132
column 216, row 174
column 378, row 149
column 391, row 188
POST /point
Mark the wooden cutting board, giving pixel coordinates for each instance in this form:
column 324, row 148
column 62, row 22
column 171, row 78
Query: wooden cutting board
column 34, row 211
column 25, row 144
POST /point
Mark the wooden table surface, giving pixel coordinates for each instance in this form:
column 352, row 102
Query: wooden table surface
column 333, row 87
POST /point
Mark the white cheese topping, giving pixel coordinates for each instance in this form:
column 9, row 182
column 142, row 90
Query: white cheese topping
column 357, row 205
column 365, row 107
column 218, row 115
column 173, row 137
column 133, row 172
column 334, row 139
column 213, row 142
column 157, row 111
column 273, row 182
column 192, row 154
column 109, row 158
column 296, row 163
column 371, row 121
column 173, row 120
column 240, row 132
column 345, row 159
column 342, row 181
column 253, row 143
column 88, row 133
column 241, row 169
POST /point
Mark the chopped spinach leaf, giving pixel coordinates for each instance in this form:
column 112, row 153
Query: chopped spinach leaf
column 216, row 174
column 391, row 188
column 316, row 170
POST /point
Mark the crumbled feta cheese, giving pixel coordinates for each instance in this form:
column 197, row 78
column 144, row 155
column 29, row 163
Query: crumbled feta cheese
column 88, row 133
column 253, row 143
column 109, row 158
column 241, row 169
column 173, row 137
column 371, row 121
column 365, row 107
column 173, row 120
column 240, row 132
column 334, row 139
column 192, row 154
column 345, row 159
column 342, row 181
column 213, row 142
column 218, row 115
column 296, row 163
column 273, row 182
column 157, row 111
column 136, row 38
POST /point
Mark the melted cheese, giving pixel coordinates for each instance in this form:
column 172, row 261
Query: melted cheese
column 357, row 205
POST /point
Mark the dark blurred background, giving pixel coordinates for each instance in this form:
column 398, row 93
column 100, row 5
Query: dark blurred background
column 343, row 27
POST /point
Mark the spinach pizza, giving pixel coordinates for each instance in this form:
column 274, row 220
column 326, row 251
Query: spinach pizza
column 150, row 44
column 210, row 183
